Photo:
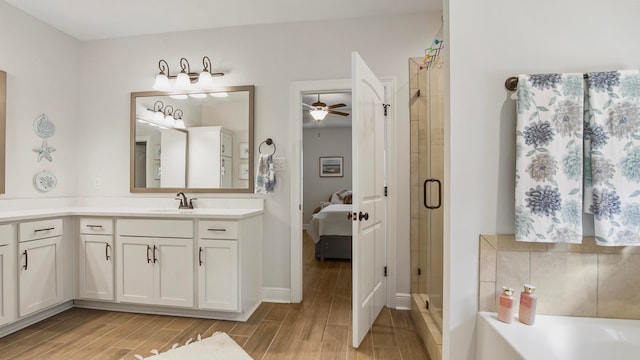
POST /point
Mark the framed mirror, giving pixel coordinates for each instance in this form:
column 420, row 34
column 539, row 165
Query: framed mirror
column 195, row 141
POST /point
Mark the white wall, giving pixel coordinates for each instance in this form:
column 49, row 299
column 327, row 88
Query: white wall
column 42, row 78
column 488, row 42
column 269, row 57
column 320, row 142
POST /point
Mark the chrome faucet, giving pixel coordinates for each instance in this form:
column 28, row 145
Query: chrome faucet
column 184, row 203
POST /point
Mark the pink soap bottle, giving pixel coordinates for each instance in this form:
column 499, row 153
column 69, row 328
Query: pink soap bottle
column 505, row 305
column 528, row 302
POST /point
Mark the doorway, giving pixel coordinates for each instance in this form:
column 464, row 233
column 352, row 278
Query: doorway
column 298, row 89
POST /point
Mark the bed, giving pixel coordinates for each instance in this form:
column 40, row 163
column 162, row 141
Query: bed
column 330, row 229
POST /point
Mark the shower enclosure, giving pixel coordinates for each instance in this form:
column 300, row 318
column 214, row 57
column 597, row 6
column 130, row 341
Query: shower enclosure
column 427, row 172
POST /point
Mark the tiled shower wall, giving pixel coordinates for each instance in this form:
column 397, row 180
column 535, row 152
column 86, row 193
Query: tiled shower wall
column 575, row 280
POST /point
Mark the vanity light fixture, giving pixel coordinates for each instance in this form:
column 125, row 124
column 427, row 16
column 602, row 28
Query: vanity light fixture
column 185, row 80
column 223, row 94
column 165, row 116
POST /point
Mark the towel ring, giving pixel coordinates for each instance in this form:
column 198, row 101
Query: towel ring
column 268, row 142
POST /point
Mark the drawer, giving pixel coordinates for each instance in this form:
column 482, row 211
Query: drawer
column 6, row 235
column 39, row 229
column 218, row 229
column 96, row 226
column 156, row 228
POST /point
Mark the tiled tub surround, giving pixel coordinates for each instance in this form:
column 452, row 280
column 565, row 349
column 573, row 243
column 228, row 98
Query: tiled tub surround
column 575, row 280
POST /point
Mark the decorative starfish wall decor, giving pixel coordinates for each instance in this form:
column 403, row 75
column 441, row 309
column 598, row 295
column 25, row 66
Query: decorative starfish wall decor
column 44, row 151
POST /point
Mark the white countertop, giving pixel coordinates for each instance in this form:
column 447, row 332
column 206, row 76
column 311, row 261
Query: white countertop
column 219, row 213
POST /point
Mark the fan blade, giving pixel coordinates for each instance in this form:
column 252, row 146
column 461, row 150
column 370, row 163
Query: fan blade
column 309, row 106
column 337, row 105
column 338, row 113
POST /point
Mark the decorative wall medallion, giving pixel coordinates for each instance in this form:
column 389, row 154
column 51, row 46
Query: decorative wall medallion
column 43, row 127
column 45, row 181
column 44, row 151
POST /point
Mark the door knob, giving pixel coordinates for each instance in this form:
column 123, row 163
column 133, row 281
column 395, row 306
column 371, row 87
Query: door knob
column 363, row 216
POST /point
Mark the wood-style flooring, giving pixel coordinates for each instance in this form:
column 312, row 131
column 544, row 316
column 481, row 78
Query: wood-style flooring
column 319, row 328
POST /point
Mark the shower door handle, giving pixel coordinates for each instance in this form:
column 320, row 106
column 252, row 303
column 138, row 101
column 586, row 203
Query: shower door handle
column 425, row 193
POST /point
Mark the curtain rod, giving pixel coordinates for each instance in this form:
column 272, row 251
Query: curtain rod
column 512, row 82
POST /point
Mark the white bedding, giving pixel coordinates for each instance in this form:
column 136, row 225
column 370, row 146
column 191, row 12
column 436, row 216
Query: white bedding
column 331, row 220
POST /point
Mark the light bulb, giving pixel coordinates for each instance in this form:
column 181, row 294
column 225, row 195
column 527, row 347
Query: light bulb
column 318, row 114
column 183, row 82
column 179, row 96
column 219, row 94
column 161, row 83
column 198, row 96
column 179, row 124
column 205, row 81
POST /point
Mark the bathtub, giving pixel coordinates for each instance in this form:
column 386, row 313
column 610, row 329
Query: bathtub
column 558, row 337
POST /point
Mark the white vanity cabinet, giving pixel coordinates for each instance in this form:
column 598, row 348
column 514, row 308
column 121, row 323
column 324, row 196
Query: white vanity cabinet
column 95, row 259
column 40, row 257
column 155, row 262
column 8, row 286
column 230, row 264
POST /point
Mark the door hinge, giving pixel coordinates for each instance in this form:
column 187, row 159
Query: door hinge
column 385, row 271
column 386, row 106
column 419, row 271
column 426, row 304
column 386, row 191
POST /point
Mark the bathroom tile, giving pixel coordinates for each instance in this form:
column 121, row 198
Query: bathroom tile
column 487, row 261
column 627, row 250
column 566, row 283
column 512, row 271
column 414, row 109
column 414, row 138
column 508, row 242
column 491, row 239
column 487, row 298
column 415, row 170
column 588, row 246
column 415, row 201
column 616, row 298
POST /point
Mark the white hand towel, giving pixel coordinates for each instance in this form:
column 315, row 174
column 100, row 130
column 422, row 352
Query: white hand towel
column 266, row 175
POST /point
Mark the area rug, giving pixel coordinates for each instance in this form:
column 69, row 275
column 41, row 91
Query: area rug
column 218, row 346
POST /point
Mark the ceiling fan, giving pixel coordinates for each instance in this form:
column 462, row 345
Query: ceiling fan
column 319, row 110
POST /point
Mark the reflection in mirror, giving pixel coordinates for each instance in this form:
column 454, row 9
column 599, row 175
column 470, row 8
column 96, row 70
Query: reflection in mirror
column 3, row 123
column 191, row 141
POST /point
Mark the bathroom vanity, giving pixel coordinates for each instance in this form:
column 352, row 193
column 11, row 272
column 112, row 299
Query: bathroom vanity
column 195, row 262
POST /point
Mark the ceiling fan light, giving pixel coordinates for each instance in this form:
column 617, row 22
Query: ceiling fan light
column 183, row 82
column 161, row 83
column 318, row 114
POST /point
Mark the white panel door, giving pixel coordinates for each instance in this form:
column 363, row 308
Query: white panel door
column 368, row 150
column 135, row 270
column 40, row 274
column 96, row 267
column 218, row 274
column 173, row 262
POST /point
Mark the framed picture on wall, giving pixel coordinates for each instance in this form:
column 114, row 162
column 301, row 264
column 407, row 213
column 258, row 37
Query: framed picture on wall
column 243, row 150
column 243, row 173
column 331, row 166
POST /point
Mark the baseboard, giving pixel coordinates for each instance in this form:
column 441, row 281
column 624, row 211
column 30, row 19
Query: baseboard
column 403, row 301
column 276, row 295
column 32, row 319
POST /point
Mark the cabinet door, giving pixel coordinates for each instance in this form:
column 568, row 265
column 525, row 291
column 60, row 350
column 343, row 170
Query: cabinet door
column 96, row 267
column 174, row 271
column 218, row 274
column 7, row 284
column 40, row 277
column 135, row 270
